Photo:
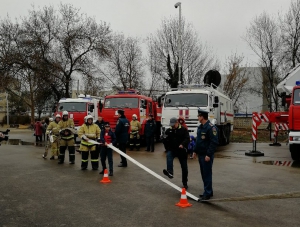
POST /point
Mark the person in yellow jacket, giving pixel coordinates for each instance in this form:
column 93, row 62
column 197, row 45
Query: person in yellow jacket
column 89, row 132
column 135, row 127
column 53, row 134
column 66, row 129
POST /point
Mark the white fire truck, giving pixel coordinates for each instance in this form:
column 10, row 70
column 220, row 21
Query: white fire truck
column 185, row 101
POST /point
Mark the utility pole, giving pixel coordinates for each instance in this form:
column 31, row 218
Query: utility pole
column 271, row 89
column 178, row 4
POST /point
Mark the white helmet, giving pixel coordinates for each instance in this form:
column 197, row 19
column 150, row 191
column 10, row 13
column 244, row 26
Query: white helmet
column 50, row 119
column 65, row 113
column 134, row 115
column 89, row 117
column 57, row 115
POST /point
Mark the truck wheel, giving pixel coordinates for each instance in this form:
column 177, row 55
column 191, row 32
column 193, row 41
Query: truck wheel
column 295, row 151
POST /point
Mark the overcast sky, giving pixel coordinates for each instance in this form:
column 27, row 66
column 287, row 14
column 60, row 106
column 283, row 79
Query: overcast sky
column 220, row 23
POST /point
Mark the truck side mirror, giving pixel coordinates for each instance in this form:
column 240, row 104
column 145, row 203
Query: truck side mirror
column 283, row 99
column 216, row 99
column 100, row 106
column 159, row 102
column 91, row 108
column 61, row 107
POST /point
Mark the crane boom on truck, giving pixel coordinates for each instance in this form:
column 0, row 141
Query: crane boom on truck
column 186, row 99
column 289, row 89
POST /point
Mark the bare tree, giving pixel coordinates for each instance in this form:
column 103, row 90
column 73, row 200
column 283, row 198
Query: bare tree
column 125, row 62
column 264, row 38
column 235, row 85
column 290, row 29
column 163, row 58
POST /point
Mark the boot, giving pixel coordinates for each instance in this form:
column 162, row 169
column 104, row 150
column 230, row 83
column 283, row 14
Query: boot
column 111, row 173
column 137, row 148
column 102, row 172
column 52, row 157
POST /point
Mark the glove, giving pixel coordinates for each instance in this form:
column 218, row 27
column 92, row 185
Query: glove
column 84, row 138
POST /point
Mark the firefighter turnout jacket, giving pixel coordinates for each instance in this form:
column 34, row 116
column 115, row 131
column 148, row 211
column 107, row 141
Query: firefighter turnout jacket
column 91, row 132
column 54, row 128
column 63, row 125
column 135, row 127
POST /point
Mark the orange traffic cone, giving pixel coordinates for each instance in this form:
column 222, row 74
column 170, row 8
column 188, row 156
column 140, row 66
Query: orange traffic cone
column 105, row 177
column 183, row 202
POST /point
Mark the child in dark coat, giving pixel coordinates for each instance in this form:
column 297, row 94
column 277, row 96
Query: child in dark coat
column 107, row 136
column 191, row 146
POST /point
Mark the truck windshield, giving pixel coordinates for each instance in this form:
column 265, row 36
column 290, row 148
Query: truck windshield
column 121, row 103
column 72, row 106
column 297, row 97
column 185, row 99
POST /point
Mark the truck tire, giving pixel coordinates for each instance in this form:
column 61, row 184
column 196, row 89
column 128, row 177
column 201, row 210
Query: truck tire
column 295, row 151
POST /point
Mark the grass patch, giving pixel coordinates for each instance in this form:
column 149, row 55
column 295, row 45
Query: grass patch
column 263, row 136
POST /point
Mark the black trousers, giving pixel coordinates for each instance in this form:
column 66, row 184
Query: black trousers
column 150, row 143
column 107, row 152
column 94, row 159
column 62, row 151
column 122, row 147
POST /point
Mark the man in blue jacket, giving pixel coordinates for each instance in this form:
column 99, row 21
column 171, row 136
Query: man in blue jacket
column 121, row 132
column 150, row 128
column 206, row 144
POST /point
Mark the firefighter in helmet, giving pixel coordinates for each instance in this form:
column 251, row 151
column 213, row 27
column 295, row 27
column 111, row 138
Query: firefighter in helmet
column 53, row 133
column 135, row 127
column 66, row 127
column 88, row 132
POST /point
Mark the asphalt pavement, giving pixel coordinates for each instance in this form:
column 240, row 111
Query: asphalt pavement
column 38, row 192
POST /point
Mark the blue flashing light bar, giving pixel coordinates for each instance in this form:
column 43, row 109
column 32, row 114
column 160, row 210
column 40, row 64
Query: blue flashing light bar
column 127, row 92
column 192, row 86
column 298, row 83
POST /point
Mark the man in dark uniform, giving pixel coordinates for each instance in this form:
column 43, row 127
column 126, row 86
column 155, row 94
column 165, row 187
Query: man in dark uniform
column 101, row 123
column 176, row 142
column 121, row 132
column 150, row 128
column 206, row 144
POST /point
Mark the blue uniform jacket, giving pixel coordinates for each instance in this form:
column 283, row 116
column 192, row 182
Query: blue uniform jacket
column 207, row 139
column 150, row 128
column 121, row 131
column 111, row 134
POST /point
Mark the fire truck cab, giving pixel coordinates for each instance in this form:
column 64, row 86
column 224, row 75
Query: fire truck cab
column 185, row 101
column 132, row 102
column 80, row 107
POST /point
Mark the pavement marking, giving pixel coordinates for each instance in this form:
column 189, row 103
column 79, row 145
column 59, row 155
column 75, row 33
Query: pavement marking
column 288, row 195
column 151, row 172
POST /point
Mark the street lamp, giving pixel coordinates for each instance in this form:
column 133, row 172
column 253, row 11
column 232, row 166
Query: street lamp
column 178, row 4
column 270, row 54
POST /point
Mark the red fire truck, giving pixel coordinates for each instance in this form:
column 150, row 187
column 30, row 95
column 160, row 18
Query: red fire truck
column 80, row 107
column 289, row 120
column 132, row 103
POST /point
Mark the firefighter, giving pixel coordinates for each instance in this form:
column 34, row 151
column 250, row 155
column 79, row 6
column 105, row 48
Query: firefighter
column 87, row 132
column 135, row 127
column 150, row 129
column 53, row 133
column 121, row 132
column 66, row 127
